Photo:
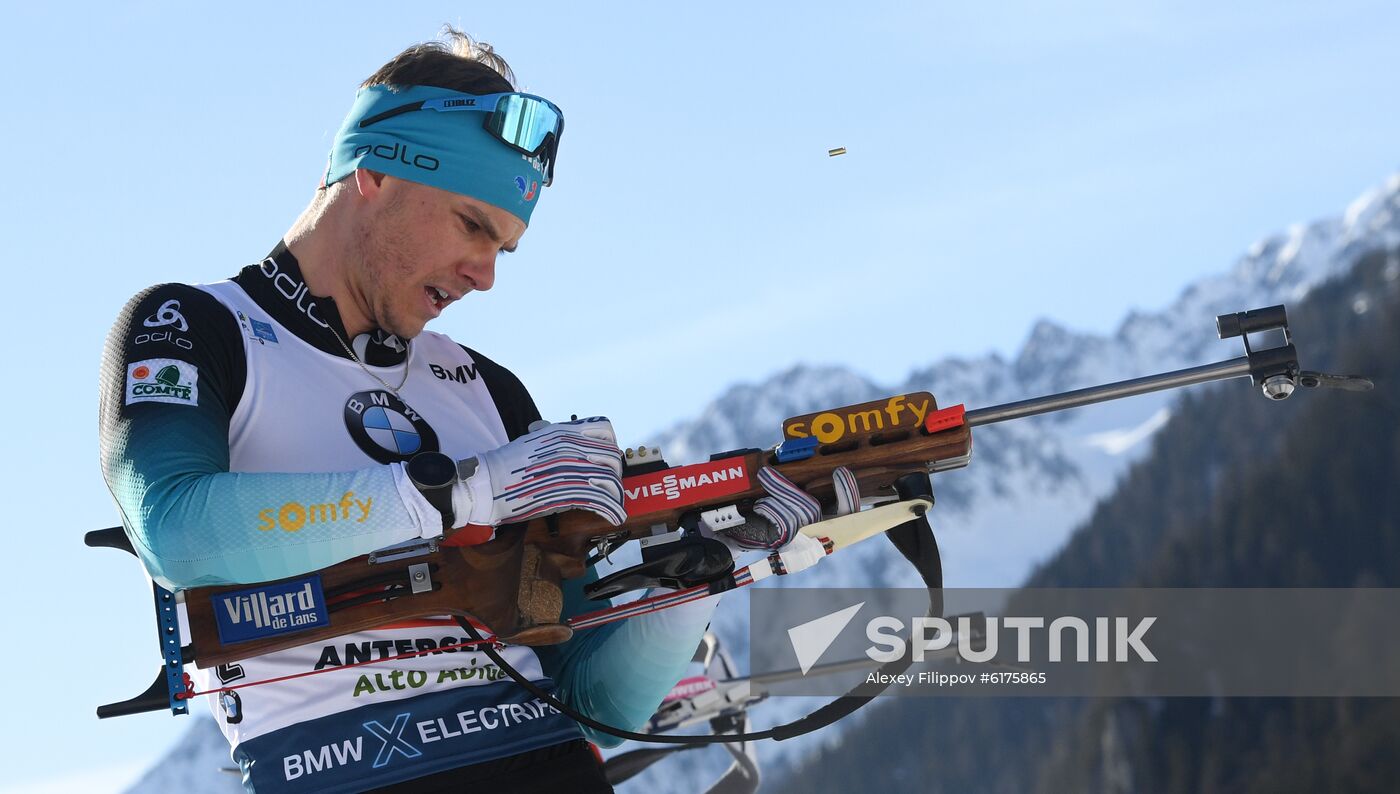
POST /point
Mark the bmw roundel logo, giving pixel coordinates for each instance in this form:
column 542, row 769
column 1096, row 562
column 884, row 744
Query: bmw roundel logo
column 385, row 428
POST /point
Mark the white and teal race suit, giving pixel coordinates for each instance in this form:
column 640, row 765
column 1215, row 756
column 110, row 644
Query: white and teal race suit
column 243, row 444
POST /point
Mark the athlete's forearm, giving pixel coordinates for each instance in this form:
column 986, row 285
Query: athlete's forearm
column 195, row 529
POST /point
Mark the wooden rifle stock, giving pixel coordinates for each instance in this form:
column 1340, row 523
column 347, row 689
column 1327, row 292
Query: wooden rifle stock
column 511, row 583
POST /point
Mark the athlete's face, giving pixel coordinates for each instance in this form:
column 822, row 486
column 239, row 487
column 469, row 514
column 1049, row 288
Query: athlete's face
column 423, row 248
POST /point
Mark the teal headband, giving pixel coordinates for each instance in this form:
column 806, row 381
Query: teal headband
column 451, row 151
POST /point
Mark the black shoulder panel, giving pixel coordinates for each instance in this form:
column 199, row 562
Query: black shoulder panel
column 177, row 321
column 513, row 402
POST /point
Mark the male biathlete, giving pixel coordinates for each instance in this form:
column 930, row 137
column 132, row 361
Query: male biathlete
column 298, row 415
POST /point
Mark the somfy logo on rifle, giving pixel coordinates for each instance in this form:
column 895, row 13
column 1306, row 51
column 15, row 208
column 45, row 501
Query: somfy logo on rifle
column 906, row 411
column 273, row 609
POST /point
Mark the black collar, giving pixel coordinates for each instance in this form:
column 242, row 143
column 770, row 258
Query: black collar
column 276, row 284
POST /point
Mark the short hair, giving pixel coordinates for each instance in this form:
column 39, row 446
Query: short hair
column 455, row 62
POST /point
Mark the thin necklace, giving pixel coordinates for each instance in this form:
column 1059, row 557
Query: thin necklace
column 408, row 357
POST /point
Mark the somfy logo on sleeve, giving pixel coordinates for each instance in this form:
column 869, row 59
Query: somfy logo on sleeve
column 269, row 610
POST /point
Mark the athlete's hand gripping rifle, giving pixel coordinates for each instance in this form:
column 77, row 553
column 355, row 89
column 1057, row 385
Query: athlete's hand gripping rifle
column 511, row 584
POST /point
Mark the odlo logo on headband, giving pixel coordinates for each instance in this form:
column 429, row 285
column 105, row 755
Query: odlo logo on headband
column 398, row 152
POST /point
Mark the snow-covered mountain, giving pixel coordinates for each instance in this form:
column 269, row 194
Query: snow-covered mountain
column 1030, row 482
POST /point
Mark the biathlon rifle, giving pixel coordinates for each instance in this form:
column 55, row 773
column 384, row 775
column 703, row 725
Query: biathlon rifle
column 510, row 585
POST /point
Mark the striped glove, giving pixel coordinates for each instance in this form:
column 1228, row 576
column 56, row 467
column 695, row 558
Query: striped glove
column 555, row 467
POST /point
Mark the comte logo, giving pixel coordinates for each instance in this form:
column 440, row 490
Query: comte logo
column 174, row 382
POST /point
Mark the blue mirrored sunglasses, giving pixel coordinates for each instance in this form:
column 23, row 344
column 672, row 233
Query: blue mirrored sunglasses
column 529, row 124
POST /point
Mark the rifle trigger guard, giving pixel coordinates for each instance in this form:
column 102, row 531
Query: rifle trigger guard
column 689, row 561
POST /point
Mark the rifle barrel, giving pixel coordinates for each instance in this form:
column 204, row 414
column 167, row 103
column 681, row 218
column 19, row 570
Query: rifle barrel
column 1223, row 370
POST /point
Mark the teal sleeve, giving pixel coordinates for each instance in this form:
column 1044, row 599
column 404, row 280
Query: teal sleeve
column 194, row 523
column 619, row 673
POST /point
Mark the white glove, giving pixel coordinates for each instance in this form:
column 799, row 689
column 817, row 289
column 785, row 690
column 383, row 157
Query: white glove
column 555, row 467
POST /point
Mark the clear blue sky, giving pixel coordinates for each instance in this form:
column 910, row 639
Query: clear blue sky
column 1006, row 162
